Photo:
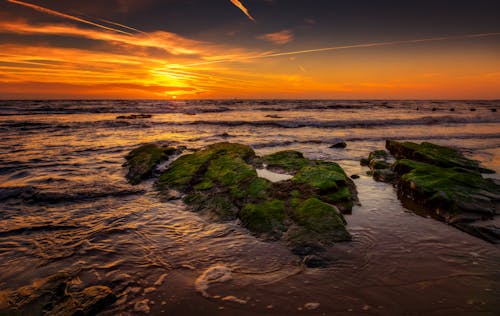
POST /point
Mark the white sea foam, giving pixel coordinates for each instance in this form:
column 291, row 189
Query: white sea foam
column 215, row 274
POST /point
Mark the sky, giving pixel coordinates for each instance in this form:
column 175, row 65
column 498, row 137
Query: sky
column 286, row 49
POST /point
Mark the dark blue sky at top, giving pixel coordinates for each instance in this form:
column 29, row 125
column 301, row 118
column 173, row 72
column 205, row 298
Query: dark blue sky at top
column 312, row 21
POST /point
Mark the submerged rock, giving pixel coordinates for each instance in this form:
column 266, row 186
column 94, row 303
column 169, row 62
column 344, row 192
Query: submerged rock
column 53, row 296
column 142, row 161
column 221, row 182
column 341, row 144
column 134, row 116
column 379, row 162
column 443, row 182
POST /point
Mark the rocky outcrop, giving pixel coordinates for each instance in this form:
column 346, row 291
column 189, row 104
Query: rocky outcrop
column 142, row 161
column 221, row 182
column 446, row 184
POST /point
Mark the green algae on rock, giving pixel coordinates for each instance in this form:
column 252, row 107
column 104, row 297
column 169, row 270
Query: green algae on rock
column 221, row 182
column 443, row 182
column 433, row 154
column 142, row 161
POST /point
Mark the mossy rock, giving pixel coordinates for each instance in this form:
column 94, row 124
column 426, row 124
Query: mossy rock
column 440, row 181
column 380, row 163
column 287, row 160
column 321, row 217
column 221, row 182
column 441, row 156
column 266, row 217
column 455, row 191
column 142, row 161
column 189, row 169
column 325, row 176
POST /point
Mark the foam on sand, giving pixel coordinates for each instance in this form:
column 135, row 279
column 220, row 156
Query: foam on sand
column 215, row 274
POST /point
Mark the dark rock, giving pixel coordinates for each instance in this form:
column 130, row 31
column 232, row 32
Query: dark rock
column 442, row 182
column 53, row 296
column 354, row 176
column 379, row 163
column 274, row 116
column 133, row 116
column 452, row 110
column 433, row 154
column 339, row 145
column 473, row 110
column 434, row 109
column 221, row 182
column 493, row 110
column 315, row 261
column 142, row 161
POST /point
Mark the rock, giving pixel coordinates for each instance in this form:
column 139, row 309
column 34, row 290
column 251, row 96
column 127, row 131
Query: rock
column 286, row 161
column 142, row 161
column 221, row 182
column 53, row 296
column 354, row 176
column 433, row 154
column 133, row 116
column 274, row 116
column 446, row 184
column 341, row 144
column 379, row 162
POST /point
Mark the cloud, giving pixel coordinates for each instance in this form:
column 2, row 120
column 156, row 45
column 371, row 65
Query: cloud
column 66, row 16
column 279, row 38
column 238, row 4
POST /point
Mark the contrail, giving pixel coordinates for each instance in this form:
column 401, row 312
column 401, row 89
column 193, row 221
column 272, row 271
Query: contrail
column 242, row 8
column 67, row 16
column 334, row 48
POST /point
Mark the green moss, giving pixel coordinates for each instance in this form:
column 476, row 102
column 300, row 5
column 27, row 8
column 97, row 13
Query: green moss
column 295, row 202
column 142, row 161
column 221, row 181
column 378, row 154
column 227, row 159
column 454, row 182
column 295, row 193
column 264, row 217
column 320, row 219
column 184, row 170
column 433, row 154
column 229, row 170
column 343, row 194
column 258, row 189
column 323, row 176
column 206, row 184
column 379, row 164
column 288, row 160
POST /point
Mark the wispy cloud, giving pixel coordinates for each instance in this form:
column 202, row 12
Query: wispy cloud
column 280, row 38
column 67, row 16
column 336, row 48
column 242, row 8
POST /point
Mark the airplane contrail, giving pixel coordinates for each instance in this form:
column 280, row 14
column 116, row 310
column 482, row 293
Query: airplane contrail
column 334, row 48
column 67, row 16
column 240, row 5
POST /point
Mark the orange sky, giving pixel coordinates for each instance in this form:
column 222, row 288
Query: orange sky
column 160, row 64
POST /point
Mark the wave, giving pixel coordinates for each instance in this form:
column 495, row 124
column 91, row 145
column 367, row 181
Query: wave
column 330, row 141
column 345, row 124
column 34, row 107
column 34, row 195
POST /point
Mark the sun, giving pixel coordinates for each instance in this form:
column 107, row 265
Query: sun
column 174, row 97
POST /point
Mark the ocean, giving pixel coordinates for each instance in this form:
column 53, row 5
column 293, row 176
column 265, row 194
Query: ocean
column 66, row 208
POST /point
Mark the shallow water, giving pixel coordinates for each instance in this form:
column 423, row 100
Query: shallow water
column 77, row 214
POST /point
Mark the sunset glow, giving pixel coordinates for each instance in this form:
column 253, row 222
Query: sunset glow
column 50, row 53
